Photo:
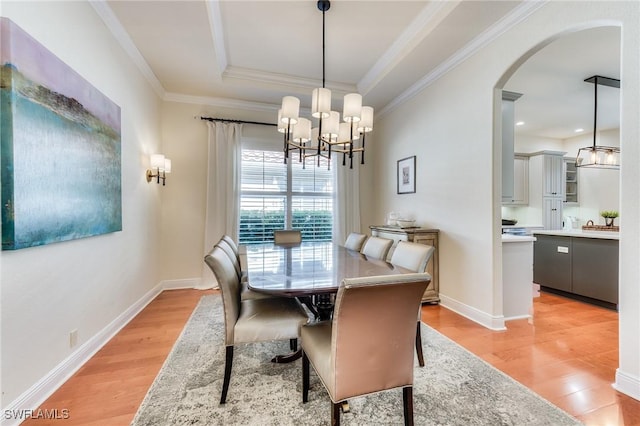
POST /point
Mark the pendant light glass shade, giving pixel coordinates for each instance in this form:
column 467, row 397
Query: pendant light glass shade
column 352, row 107
column 599, row 156
column 321, row 103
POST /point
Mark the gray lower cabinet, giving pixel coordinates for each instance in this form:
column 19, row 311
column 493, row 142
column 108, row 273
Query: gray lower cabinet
column 582, row 266
column 595, row 271
column 552, row 262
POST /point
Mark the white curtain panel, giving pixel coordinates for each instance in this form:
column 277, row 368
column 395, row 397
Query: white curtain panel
column 223, row 189
column 346, row 201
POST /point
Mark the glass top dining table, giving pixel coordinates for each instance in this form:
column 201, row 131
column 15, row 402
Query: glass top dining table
column 308, row 268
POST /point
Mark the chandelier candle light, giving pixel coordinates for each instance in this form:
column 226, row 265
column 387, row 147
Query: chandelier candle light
column 330, row 135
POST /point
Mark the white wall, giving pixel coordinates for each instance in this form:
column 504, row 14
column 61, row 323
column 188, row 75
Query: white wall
column 449, row 126
column 83, row 284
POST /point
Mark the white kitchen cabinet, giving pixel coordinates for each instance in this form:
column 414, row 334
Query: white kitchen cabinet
column 570, row 182
column 547, row 186
column 552, row 212
column 553, row 175
column 520, row 181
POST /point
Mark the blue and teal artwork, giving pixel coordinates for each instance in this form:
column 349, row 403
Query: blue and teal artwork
column 60, row 148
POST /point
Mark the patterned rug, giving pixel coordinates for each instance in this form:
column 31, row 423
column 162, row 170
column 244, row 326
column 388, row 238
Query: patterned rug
column 454, row 388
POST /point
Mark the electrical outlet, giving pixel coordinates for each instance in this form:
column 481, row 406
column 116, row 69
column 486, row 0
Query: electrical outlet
column 73, row 338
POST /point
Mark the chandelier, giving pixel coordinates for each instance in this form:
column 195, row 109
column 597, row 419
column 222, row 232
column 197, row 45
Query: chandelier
column 599, row 156
column 331, row 136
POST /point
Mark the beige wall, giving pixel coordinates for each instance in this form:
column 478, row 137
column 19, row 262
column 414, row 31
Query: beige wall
column 83, row 284
column 184, row 197
column 449, row 126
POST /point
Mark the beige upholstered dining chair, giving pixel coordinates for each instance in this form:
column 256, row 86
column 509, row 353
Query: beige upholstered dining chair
column 376, row 247
column 245, row 292
column 413, row 256
column 249, row 321
column 287, row 236
column 354, row 241
column 357, row 353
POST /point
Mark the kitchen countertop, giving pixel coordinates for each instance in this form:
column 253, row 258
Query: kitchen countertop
column 509, row 238
column 604, row 235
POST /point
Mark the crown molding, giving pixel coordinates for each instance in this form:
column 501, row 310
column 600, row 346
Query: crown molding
column 220, row 102
column 113, row 24
column 292, row 83
column 217, row 34
column 520, row 13
column 426, row 21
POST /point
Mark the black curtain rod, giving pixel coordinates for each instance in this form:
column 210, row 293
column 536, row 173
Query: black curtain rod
column 226, row 120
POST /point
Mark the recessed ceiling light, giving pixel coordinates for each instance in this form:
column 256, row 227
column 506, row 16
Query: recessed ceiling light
column 579, row 130
column 519, row 123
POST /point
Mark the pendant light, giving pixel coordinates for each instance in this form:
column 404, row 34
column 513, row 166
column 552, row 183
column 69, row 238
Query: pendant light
column 331, row 136
column 599, row 156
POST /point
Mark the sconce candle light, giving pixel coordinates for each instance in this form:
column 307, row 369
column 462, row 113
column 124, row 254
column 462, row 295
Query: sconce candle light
column 160, row 166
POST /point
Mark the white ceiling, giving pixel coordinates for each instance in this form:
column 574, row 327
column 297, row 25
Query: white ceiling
column 252, row 53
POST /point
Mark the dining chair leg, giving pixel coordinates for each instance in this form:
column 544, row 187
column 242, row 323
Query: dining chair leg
column 335, row 414
column 407, row 399
column 305, row 377
column 293, row 344
column 227, row 374
column 419, row 346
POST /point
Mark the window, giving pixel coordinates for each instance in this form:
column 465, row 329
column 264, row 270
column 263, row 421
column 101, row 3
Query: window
column 274, row 195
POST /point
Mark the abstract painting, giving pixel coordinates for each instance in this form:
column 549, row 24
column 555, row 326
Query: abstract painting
column 60, row 148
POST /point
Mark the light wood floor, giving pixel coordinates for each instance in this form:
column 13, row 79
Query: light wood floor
column 568, row 355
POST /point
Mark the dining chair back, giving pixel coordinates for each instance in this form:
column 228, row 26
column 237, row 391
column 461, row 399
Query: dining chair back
column 231, row 242
column 357, row 353
column 245, row 292
column 233, row 257
column 354, row 241
column 412, row 256
column 287, row 236
column 415, row 257
column 376, row 247
column 253, row 320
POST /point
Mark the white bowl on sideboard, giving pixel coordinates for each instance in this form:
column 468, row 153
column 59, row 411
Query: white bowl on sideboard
column 403, row 223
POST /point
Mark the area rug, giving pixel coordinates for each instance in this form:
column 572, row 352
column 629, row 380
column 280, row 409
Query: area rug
column 454, row 388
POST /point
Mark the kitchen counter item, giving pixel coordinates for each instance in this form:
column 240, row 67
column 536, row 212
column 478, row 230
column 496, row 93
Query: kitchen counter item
column 580, row 233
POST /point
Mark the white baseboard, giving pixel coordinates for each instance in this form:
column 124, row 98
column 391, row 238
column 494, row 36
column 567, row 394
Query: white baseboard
column 33, row 397
column 484, row 319
column 627, row 384
column 195, row 283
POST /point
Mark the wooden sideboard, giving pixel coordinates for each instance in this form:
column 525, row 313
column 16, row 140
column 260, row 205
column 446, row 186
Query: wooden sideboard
column 417, row 235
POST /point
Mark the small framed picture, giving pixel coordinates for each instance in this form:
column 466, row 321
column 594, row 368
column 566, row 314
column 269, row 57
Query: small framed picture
column 407, row 175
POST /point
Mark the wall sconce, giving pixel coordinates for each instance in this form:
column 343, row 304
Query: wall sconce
column 160, row 166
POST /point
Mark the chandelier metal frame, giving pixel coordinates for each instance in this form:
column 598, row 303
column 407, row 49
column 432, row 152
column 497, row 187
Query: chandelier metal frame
column 331, row 136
